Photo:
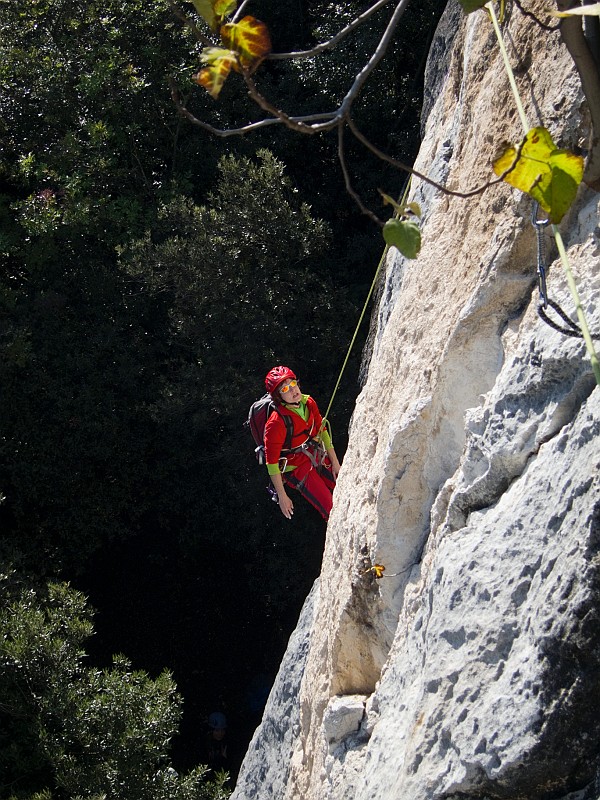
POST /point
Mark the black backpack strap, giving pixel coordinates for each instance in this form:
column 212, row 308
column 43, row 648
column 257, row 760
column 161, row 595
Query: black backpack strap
column 289, row 428
column 289, row 431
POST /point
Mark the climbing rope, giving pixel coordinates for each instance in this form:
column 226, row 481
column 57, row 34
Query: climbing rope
column 572, row 328
column 364, row 309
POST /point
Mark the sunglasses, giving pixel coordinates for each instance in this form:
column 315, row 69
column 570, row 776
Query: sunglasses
column 285, row 389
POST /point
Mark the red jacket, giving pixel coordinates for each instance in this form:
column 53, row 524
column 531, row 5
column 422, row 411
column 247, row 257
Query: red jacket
column 276, row 431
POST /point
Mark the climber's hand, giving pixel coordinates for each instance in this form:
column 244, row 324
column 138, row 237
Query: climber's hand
column 286, row 506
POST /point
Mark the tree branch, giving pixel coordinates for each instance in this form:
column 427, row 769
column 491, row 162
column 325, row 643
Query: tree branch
column 298, row 123
column 349, row 189
column 183, row 17
column 263, row 103
column 405, row 168
column 344, row 109
column 571, row 30
column 240, row 11
column 379, row 53
column 252, row 126
column 330, row 43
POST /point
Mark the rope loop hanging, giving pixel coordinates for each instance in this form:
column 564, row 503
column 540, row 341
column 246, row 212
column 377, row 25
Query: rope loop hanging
column 572, row 328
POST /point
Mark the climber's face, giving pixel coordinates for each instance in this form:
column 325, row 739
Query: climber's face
column 289, row 391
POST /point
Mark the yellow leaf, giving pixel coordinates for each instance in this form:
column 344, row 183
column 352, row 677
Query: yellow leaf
column 537, row 167
column 249, row 38
column 219, row 63
column 378, row 569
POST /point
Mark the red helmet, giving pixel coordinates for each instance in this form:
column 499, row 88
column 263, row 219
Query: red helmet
column 276, row 376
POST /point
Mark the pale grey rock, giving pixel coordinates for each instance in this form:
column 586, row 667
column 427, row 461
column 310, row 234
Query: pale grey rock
column 342, row 718
column 266, row 766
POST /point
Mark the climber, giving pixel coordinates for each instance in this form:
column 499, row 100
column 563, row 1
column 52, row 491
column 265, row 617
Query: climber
column 310, row 465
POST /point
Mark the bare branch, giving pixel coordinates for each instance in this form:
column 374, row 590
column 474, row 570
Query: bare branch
column 349, row 189
column 183, row 17
column 379, row 53
column 299, row 123
column 252, row 126
column 261, row 101
column 405, row 168
column 240, row 11
column 531, row 15
column 572, row 35
column 330, row 43
column 344, row 109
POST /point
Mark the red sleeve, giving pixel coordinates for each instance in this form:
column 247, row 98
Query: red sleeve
column 275, row 433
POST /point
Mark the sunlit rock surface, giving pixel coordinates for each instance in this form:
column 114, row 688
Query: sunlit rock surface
column 472, row 668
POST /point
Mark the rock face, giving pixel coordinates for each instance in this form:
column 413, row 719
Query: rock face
column 472, row 668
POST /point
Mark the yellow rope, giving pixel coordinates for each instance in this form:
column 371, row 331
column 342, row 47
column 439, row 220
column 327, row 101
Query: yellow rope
column 364, row 309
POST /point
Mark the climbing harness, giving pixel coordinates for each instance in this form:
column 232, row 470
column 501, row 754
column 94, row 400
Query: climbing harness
column 573, row 328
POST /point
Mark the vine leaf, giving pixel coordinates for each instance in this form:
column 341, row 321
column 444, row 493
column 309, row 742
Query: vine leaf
column 378, row 569
column 246, row 42
column 219, row 63
column 468, row 6
column 404, row 235
column 213, row 12
column 537, row 167
column 401, row 232
column 249, row 38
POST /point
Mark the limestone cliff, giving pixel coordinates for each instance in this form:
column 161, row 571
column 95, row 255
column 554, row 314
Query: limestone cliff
column 472, row 668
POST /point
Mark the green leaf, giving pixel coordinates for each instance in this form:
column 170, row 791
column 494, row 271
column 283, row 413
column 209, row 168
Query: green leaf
column 249, row 38
column 403, row 235
column 468, row 6
column 537, row 167
column 206, row 11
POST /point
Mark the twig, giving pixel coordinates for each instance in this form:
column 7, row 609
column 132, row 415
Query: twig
column 537, row 20
column 240, row 11
column 335, row 39
column 252, row 126
column 379, row 53
column 263, row 103
column 344, row 109
column 405, row 168
column 349, row 188
column 183, row 17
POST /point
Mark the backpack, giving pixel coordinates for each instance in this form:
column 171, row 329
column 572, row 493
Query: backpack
column 259, row 413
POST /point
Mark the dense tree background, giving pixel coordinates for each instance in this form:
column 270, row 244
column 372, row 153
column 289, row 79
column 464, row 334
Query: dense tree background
column 151, row 275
